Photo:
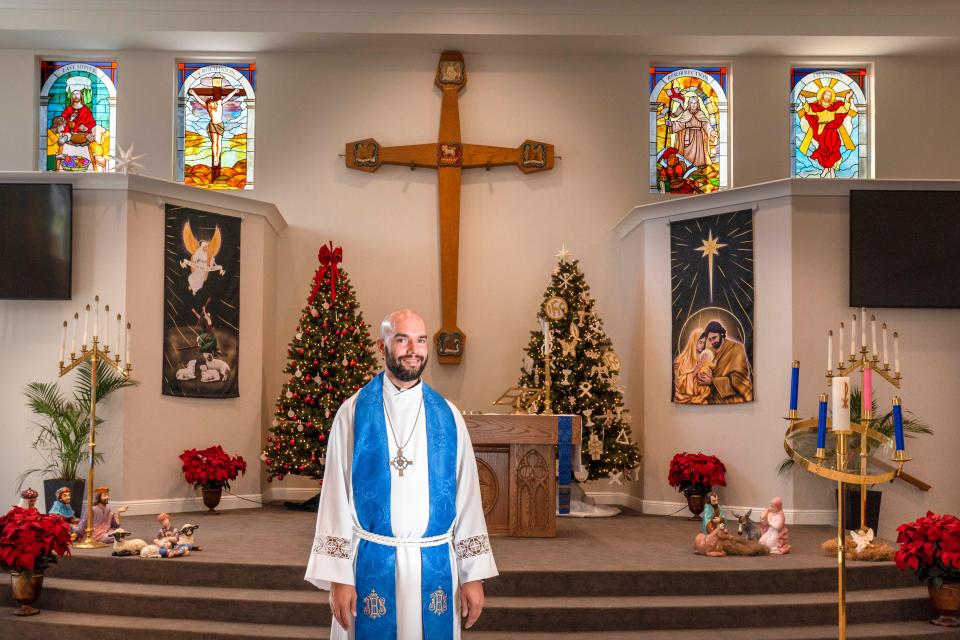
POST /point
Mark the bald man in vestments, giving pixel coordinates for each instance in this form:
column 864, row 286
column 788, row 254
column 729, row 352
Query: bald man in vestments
column 731, row 380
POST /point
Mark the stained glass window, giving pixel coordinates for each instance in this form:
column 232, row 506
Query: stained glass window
column 78, row 115
column 829, row 111
column 214, row 124
column 688, row 129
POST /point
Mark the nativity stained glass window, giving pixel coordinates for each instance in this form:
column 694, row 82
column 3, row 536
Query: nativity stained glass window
column 829, row 115
column 689, row 152
column 215, row 124
column 78, row 115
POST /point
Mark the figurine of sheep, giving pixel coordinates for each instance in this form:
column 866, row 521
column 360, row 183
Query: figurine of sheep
column 124, row 547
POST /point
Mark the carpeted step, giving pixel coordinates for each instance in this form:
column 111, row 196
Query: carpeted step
column 628, row 613
column 83, row 626
column 888, row 631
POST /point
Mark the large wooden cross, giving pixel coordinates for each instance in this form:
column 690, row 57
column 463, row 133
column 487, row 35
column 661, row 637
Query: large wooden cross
column 449, row 155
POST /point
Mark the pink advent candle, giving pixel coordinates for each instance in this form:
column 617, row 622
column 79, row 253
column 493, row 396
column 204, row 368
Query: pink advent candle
column 867, row 407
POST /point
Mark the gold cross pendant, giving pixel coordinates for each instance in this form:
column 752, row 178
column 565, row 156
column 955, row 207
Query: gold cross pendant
column 400, row 463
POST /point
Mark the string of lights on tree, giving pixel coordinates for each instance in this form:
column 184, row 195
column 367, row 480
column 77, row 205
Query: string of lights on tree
column 584, row 372
column 329, row 358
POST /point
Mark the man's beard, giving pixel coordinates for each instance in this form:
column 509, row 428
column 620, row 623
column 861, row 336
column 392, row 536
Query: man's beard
column 401, row 372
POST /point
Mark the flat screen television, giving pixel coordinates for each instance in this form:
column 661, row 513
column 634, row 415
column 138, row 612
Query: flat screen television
column 905, row 249
column 36, row 241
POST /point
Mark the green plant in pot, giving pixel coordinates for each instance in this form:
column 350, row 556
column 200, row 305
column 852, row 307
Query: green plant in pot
column 63, row 429
column 883, row 424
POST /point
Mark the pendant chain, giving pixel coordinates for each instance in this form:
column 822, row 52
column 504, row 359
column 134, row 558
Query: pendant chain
column 394, row 431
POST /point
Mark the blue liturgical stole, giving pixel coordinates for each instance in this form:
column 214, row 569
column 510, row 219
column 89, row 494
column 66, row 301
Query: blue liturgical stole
column 376, row 563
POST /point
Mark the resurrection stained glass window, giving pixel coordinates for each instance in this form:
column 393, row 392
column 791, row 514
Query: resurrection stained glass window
column 214, row 124
column 78, row 115
column 829, row 111
column 688, row 129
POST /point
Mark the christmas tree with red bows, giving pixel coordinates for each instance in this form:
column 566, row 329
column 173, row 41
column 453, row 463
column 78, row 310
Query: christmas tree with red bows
column 330, row 357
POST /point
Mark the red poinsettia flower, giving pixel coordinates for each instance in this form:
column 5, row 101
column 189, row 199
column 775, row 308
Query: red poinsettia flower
column 211, row 468
column 696, row 473
column 930, row 546
column 30, row 540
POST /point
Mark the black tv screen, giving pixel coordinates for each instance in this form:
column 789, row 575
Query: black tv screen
column 36, row 241
column 905, row 249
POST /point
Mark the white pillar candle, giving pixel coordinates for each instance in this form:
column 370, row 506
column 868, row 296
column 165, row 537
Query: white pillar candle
column 853, row 337
column 96, row 315
column 896, row 353
column 841, row 404
column 840, row 344
column 863, row 327
column 63, row 341
column 86, row 326
column 886, row 357
column 126, row 349
column 116, row 344
column 830, row 350
column 873, row 333
column 76, row 330
column 106, row 326
column 545, row 328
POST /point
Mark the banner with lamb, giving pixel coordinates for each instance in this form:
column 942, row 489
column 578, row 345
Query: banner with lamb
column 201, row 304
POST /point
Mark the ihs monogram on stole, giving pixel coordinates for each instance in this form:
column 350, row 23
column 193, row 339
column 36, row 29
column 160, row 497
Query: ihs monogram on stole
column 438, row 602
column 374, row 606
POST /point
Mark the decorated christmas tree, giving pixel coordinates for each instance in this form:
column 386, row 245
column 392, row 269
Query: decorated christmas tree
column 330, row 357
column 584, row 372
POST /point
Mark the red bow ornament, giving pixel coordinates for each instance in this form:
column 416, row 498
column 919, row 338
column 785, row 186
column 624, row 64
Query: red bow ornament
column 329, row 259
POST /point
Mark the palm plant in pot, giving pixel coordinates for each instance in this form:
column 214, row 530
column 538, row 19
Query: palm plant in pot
column 912, row 427
column 63, row 429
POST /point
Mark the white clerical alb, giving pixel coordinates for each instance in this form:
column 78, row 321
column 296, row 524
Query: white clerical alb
column 334, row 550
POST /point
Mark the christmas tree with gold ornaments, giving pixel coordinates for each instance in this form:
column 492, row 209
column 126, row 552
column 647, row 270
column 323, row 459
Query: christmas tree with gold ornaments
column 330, row 357
column 584, row 373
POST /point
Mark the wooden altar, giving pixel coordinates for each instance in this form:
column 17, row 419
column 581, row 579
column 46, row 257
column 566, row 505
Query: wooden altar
column 517, row 463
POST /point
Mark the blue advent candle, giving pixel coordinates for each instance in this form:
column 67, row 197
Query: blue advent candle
column 794, row 385
column 822, row 422
column 898, row 423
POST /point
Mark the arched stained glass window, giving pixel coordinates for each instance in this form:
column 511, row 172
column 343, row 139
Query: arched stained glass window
column 215, row 124
column 688, row 129
column 829, row 116
column 78, row 115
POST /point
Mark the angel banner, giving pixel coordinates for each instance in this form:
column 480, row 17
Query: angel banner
column 201, row 325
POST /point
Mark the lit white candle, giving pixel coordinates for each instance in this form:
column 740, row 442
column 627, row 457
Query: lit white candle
column 106, row 326
column 116, row 344
column 853, row 337
column 896, row 353
column 840, row 345
column 96, row 315
column 86, row 326
column 126, row 349
column 886, row 357
column 873, row 333
column 841, row 404
column 63, row 341
column 830, row 350
column 863, row 327
column 76, row 330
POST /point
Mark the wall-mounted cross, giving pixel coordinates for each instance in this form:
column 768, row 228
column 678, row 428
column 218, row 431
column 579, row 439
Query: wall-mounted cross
column 449, row 155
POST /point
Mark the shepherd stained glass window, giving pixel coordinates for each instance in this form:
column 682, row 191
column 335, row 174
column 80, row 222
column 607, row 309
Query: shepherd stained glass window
column 78, row 115
column 214, row 124
column 829, row 112
column 688, row 129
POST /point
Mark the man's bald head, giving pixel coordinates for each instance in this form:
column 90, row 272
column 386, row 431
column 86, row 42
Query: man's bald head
column 404, row 346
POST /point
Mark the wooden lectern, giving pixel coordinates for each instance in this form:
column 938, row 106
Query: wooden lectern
column 517, row 465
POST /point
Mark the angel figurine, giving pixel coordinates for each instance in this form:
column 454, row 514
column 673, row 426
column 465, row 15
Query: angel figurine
column 203, row 257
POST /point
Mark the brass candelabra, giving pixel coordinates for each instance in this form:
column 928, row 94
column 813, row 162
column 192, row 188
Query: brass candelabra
column 94, row 354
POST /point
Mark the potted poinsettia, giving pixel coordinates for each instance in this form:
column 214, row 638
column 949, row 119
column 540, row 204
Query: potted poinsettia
column 30, row 542
column 694, row 475
column 211, row 471
column 930, row 546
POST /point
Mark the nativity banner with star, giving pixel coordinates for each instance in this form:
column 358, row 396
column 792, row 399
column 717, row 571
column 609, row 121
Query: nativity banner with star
column 201, row 304
column 711, row 279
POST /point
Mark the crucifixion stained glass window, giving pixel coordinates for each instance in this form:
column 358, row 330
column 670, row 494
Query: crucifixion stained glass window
column 215, row 124
column 829, row 115
column 78, row 115
column 688, row 129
